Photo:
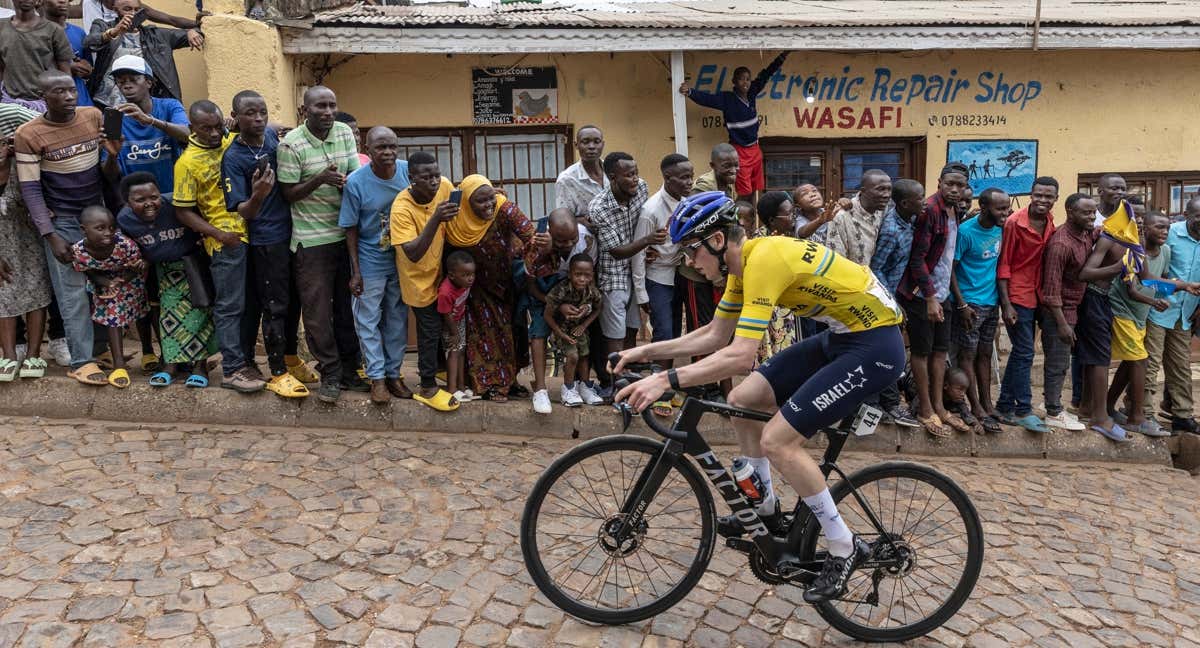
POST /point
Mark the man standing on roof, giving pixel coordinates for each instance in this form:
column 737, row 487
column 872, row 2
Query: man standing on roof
column 741, row 120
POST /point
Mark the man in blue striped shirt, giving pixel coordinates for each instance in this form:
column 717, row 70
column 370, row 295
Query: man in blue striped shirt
column 740, row 113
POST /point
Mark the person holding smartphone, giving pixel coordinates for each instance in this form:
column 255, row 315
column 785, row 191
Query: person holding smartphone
column 129, row 35
column 152, row 130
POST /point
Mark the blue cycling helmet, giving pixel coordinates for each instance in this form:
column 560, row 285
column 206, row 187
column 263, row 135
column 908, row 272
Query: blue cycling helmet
column 700, row 215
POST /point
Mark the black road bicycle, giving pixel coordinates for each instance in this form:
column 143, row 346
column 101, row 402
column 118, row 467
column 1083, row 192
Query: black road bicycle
column 622, row 527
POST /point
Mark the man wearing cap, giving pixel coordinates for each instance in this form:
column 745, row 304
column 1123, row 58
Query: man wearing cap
column 153, row 130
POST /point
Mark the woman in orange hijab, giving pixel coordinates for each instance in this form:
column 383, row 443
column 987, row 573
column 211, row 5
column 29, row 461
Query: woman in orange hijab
column 488, row 227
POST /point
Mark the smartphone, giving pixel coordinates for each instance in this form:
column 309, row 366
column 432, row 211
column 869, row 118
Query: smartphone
column 139, row 17
column 542, row 225
column 263, row 164
column 112, row 123
column 456, row 196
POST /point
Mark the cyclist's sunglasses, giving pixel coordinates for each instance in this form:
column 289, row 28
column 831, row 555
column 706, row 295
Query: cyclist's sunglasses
column 689, row 250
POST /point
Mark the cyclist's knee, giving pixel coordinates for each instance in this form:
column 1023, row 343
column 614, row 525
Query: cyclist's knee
column 753, row 395
column 779, row 438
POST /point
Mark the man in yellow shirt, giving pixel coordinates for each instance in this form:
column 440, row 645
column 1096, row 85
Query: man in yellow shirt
column 810, row 385
column 417, row 234
column 200, row 205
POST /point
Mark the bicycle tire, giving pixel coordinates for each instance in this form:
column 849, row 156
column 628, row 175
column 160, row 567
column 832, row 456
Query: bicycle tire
column 974, row 554
column 534, row 509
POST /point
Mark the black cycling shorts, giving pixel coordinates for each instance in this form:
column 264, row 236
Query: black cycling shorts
column 823, row 379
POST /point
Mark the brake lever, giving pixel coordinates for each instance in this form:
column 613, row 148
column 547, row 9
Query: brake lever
column 623, row 407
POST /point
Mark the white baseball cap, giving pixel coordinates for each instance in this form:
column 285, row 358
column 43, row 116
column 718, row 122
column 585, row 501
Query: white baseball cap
column 131, row 63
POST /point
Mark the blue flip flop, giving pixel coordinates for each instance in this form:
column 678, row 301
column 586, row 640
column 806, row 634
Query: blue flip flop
column 1117, row 433
column 1032, row 423
column 196, row 381
column 160, row 379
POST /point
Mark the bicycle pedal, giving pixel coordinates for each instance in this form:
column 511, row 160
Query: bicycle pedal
column 740, row 544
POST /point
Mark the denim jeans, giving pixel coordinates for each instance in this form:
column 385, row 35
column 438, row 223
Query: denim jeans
column 1016, row 390
column 229, row 279
column 1057, row 361
column 70, row 289
column 381, row 319
column 666, row 320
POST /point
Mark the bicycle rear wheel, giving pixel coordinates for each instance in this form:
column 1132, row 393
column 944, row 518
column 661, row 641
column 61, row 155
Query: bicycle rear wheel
column 566, row 532
column 940, row 539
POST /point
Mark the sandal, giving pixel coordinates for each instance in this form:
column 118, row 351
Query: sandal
column 495, row 396
column 299, row 370
column 119, row 378
column 933, row 425
column 105, row 360
column 1117, row 433
column 8, row 369
column 518, row 390
column 196, row 381
column 150, row 363
column 956, row 423
column 160, row 379
column 286, row 386
column 662, row 408
column 442, row 401
column 89, row 374
column 991, row 425
column 33, row 368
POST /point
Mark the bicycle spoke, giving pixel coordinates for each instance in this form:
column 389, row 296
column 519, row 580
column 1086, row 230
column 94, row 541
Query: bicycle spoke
column 608, row 478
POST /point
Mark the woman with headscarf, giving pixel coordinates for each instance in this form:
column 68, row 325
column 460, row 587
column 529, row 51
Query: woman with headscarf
column 492, row 229
column 777, row 213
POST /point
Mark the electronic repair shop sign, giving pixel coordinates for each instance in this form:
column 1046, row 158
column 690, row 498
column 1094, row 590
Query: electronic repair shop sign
column 518, row 95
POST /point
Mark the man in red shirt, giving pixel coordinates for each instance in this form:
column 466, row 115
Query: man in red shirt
column 1018, row 277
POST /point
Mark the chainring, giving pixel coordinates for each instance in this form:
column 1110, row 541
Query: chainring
column 762, row 571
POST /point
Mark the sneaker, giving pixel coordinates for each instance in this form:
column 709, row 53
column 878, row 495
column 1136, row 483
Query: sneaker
column 355, row 384
column 1151, row 428
column 728, row 526
column 253, row 372
column 588, row 394
column 22, row 349
column 240, row 382
column 903, row 418
column 831, row 582
column 1184, row 425
column 1062, row 421
column 570, row 397
column 329, row 392
column 60, row 352
column 605, row 394
column 541, row 402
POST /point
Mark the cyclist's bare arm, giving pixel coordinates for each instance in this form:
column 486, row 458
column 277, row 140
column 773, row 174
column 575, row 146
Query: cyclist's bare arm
column 702, row 341
column 734, row 359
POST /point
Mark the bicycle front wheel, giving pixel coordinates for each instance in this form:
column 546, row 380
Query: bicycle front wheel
column 567, row 532
column 938, row 551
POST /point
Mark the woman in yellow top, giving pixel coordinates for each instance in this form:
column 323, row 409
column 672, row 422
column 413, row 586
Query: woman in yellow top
column 809, row 385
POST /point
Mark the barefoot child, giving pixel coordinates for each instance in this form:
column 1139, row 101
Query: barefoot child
column 452, row 305
column 116, row 278
column 580, row 294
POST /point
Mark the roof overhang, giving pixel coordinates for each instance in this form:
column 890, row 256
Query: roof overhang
column 502, row 40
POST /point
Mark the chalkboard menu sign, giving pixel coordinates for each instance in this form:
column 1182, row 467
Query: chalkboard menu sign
column 522, row 95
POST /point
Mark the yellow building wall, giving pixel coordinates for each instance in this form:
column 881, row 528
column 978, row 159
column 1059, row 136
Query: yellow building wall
column 1090, row 111
column 190, row 64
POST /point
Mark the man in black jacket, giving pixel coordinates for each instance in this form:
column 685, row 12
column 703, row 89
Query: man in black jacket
column 156, row 45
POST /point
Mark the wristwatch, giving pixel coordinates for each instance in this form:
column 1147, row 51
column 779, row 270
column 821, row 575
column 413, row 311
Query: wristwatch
column 673, row 378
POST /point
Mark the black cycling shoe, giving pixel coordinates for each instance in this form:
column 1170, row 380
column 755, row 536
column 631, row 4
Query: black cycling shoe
column 831, row 582
column 728, row 526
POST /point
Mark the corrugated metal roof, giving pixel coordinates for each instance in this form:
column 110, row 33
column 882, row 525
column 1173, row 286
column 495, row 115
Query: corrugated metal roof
column 716, row 14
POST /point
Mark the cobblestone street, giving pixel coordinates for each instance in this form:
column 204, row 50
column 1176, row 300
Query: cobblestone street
column 140, row 535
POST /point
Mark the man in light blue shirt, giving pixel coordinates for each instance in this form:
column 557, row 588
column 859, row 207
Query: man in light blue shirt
column 380, row 315
column 1168, row 334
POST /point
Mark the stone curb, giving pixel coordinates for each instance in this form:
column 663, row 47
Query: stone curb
column 64, row 398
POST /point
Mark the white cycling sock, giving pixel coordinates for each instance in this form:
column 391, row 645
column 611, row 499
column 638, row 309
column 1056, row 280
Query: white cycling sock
column 841, row 541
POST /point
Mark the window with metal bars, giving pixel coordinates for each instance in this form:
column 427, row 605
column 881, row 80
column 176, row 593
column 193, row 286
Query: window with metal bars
column 1166, row 191
column 523, row 160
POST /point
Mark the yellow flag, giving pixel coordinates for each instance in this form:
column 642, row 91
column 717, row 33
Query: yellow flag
column 1122, row 228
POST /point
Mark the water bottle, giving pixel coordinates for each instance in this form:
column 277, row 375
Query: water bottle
column 747, row 480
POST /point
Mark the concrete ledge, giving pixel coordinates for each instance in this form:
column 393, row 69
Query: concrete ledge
column 58, row 397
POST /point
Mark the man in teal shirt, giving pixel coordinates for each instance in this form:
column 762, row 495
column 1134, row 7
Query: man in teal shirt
column 1168, row 334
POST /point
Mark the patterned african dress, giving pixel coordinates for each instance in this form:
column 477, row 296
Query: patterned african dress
column 783, row 331
column 185, row 331
column 22, row 248
column 491, row 355
column 123, row 302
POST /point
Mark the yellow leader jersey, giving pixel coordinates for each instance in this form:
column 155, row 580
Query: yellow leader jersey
column 811, row 280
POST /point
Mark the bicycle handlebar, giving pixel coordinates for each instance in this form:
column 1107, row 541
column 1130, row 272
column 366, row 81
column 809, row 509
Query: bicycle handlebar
column 629, row 376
